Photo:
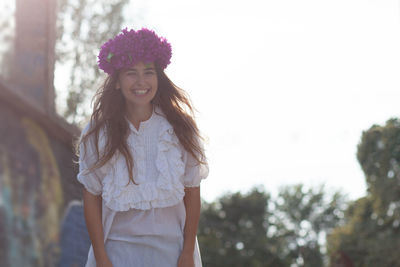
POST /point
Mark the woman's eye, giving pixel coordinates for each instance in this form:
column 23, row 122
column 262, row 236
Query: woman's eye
column 149, row 72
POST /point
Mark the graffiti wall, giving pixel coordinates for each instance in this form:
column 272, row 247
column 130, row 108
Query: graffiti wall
column 37, row 181
column 41, row 216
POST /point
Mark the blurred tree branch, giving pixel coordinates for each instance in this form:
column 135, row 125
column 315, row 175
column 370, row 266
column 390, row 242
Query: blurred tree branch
column 82, row 27
column 7, row 32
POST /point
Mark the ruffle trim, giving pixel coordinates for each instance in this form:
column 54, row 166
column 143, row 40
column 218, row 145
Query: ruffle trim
column 167, row 191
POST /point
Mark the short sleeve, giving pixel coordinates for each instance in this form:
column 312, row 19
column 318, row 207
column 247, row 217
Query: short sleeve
column 87, row 158
column 194, row 171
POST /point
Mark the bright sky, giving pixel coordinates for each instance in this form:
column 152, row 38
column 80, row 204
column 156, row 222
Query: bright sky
column 285, row 87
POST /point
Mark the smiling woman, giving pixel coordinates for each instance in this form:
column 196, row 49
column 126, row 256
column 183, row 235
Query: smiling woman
column 142, row 160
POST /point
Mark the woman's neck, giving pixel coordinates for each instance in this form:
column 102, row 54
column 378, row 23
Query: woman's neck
column 136, row 114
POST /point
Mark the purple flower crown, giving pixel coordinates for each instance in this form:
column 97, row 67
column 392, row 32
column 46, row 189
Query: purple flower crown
column 130, row 47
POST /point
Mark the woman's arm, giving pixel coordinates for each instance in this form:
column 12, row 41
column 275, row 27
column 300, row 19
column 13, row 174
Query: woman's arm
column 92, row 211
column 192, row 206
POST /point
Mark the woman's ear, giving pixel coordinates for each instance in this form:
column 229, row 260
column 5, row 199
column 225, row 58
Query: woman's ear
column 117, row 85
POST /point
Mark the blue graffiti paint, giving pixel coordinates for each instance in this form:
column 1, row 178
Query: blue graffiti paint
column 75, row 240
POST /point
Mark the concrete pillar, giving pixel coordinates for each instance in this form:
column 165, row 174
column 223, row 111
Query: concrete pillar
column 32, row 73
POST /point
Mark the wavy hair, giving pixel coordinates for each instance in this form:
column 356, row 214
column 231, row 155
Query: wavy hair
column 109, row 111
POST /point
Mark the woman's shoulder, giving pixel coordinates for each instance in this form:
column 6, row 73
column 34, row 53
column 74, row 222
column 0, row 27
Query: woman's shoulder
column 89, row 125
column 87, row 128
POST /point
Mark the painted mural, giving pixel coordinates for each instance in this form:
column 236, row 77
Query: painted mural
column 31, row 196
column 37, row 169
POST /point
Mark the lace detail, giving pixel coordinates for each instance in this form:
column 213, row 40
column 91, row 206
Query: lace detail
column 168, row 189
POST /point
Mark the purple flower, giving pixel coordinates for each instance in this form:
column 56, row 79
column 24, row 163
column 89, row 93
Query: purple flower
column 130, row 47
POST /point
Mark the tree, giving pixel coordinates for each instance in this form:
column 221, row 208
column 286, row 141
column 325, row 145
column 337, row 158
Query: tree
column 82, row 26
column 233, row 232
column 303, row 217
column 255, row 230
column 371, row 235
column 379, row 157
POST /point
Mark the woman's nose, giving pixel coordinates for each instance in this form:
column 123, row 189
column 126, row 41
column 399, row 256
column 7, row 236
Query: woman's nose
column 140, row 79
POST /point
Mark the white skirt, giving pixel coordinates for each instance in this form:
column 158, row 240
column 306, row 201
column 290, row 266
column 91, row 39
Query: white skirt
column 142, row 238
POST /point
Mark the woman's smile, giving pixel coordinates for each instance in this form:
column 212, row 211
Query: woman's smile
column 139, row 83
column 141, row 92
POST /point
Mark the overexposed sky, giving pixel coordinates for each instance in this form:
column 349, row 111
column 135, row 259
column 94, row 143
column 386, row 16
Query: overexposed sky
column 284, row 87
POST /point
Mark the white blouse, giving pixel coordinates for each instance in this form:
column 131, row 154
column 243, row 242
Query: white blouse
column 143, row 224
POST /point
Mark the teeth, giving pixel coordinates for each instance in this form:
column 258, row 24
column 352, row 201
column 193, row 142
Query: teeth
column 140, row 92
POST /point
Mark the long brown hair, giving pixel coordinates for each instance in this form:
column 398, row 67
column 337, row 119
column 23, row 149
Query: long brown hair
column 109, row 111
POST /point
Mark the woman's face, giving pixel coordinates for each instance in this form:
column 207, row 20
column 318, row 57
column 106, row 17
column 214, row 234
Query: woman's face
column 138, row 83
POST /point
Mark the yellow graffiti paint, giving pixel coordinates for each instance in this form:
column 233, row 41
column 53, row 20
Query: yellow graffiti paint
column 50, row 188
column 6, row 175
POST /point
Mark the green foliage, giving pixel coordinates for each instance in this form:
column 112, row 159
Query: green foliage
column 232, row 231
column 255, row 230
column 379, row 156
column 366, row 240
column 371, row 235
column 303, row 218
column 82, row 27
